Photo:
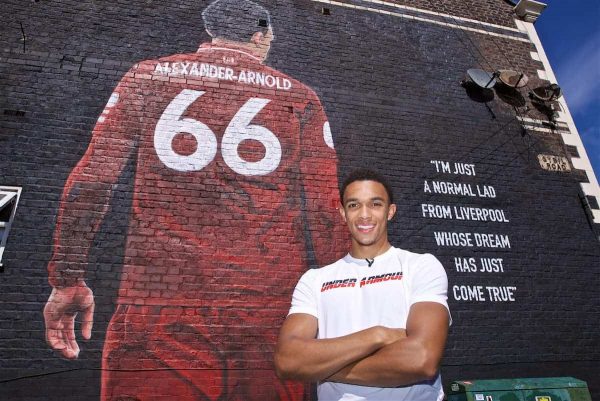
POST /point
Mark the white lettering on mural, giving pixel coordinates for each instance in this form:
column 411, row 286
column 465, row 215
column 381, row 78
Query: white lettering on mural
column 459, row 189
column 463, row 213
column 240, row 129
column 491, row 265
column 491, row 240
column 486, row 265
column 478, row 293
column 468, row 293
column 454, row 168
column 466, row 264
column 436, row 211
column 222, row 73
column 445, row 238
column 501, row 294
column 479, row 214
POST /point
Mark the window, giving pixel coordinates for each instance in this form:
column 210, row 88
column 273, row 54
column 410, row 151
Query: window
column 9, row 198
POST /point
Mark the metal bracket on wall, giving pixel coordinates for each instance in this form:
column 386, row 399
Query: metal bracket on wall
column 587, row 208
column 23, row 37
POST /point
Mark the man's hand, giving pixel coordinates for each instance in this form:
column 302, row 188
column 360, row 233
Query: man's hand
column 59, row 314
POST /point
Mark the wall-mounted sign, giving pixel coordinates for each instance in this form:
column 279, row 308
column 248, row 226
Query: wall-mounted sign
column 554, row 163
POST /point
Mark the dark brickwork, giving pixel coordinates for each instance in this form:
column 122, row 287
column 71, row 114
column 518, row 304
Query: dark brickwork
column 490, row 11
column 390, row 89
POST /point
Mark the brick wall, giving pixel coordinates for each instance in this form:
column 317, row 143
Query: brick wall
column 195, row 265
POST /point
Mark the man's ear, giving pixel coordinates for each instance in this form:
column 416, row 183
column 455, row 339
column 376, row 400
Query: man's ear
column 342, row 212
column 257, row 37
column 391, row 211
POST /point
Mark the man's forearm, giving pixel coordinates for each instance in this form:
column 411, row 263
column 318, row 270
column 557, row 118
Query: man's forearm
column 401, row 363
column 316, row 359
column 408, row 360
column 82, row 209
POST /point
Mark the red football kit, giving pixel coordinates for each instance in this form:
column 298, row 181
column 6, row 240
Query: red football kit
column 234, row 196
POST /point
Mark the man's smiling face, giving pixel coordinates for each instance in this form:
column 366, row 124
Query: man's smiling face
column 366, row 210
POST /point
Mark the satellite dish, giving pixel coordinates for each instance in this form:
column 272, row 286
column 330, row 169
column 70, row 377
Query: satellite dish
column 547, row 93
column 482, row 78
column 512, row 78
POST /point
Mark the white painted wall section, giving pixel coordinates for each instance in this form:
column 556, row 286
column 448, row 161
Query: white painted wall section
column 582, row 162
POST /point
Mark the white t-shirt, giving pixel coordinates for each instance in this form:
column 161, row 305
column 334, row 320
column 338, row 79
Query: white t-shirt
column 348, row 296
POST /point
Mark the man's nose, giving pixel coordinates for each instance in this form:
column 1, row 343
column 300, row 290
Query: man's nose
column 364, row 212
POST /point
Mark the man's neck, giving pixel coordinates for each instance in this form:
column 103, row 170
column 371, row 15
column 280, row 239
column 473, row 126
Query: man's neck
column 369, row 252
column 250, row 48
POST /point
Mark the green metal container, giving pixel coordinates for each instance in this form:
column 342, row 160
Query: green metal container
column 540, row 389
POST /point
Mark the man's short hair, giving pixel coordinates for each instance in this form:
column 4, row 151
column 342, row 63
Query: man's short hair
column 235, row 20
column 364, row 174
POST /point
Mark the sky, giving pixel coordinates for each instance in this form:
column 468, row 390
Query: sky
column 570, row 34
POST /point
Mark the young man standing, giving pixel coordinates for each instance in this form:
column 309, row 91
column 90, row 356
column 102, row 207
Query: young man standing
column 373, row 325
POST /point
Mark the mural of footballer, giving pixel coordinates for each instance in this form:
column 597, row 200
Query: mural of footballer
column 234, row 191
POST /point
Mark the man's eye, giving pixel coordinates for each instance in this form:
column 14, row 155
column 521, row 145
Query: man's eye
column 352, row 205
column 377, row 204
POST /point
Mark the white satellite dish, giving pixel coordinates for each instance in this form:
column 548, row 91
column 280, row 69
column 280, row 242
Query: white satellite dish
column 482, row 78
column 512, row 78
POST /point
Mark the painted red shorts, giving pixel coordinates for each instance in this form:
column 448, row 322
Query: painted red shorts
column 192, row 353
